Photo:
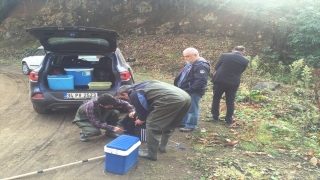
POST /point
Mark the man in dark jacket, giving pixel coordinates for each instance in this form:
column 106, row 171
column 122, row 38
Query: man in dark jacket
column 164, row 105
column 97, row 113
column 226, row 80
column 193, row 79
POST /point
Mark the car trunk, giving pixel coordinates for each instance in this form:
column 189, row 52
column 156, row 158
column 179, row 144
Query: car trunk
column 79, row 74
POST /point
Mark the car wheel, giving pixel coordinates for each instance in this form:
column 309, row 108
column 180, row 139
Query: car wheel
column 25, row 69
column 40, row 110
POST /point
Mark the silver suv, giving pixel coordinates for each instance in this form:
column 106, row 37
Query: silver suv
column 81, row 63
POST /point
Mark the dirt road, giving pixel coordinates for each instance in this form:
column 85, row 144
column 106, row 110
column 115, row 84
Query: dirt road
column 30, row 142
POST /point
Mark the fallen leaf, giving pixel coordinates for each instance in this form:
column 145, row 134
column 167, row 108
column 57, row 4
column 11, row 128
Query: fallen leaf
column 314, row 161
column 270, row 155
column 310, row 153
column 249, row 153
column 261, row 153
column 190, row 158
column 230, row 143
column 281, row 150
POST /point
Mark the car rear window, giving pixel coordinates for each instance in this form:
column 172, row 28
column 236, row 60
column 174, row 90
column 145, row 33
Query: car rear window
column 78, row 44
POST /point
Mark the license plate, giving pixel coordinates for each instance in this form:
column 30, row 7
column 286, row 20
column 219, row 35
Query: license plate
column 80, row 95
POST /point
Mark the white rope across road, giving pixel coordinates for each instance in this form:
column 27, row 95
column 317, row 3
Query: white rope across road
column 49, row 169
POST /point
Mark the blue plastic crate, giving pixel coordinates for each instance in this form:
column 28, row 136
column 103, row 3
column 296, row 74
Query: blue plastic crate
column 82, row 76
column 60, row 82
column 121, row 154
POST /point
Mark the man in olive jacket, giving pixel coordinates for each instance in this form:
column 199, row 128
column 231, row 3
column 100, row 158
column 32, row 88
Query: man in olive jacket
column 229, row 69
column 164, row 105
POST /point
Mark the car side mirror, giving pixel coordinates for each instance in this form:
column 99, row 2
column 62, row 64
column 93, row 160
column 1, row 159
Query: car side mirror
column 131, row 60
column 29, row 54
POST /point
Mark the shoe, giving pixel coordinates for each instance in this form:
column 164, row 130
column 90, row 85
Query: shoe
column 228, row 125
column 181, row 126
column 84, row 138
column 145, row 154
column 185, row 129
column 111, row 134
column 215, row 120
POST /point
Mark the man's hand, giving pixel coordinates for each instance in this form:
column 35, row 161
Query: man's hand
column 117, row 130
column 131, row 115
column 138, row 122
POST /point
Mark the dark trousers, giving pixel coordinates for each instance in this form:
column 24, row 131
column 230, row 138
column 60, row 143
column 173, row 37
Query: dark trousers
column 109, row 116
column 130, row 127
column 230, row 92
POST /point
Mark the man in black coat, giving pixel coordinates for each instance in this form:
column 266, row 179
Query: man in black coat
column 226, row 80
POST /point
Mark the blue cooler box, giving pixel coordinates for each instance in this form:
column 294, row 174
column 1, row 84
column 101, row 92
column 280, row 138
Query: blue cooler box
column 82, row 76
column 121, row 154
column 60, row 82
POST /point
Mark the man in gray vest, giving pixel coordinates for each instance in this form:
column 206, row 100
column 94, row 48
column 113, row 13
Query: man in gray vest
column 165, row 106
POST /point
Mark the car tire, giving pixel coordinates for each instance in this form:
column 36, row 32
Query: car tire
column 25, row 69
column 40, row 110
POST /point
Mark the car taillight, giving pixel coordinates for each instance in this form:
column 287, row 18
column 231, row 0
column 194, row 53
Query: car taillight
column 37, row 96
column 34, row 76
column 125, row 76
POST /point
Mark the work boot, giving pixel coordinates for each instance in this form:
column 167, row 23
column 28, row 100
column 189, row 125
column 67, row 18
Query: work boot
column 84, row 138
column 145, row 154
column 151, row 154
column 163, row 144
column 111, row 134
column 153, row 151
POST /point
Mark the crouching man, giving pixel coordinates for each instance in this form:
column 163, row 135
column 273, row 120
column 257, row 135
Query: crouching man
column 166, row 106
column 97, row 114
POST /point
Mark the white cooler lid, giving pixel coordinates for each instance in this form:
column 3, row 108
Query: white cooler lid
column 120, row 152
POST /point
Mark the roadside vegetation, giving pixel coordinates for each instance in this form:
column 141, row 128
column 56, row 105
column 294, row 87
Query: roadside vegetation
column 280, row 124
column 277, row 124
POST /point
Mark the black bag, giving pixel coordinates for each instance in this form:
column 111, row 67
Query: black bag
column 101, row 75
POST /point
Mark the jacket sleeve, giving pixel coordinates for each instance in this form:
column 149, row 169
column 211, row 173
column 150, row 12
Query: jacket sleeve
column 246, row 65
column 176, row 79
column 201, row 74
column 93, row 117
column 216, row 67
column 126, row 104
column 140, row 110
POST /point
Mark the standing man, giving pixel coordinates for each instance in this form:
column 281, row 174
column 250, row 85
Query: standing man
column 226, row 80
column 193, row 79
column 165, row 106
column 97, row 114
